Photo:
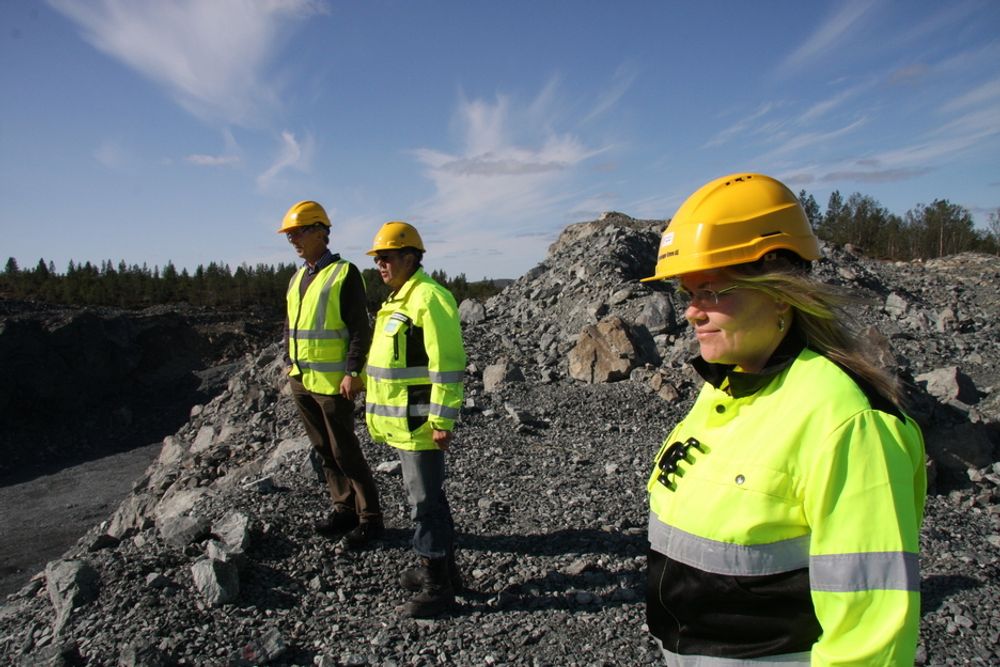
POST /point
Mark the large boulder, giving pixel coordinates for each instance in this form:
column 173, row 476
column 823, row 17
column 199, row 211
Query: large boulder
column 605, row 352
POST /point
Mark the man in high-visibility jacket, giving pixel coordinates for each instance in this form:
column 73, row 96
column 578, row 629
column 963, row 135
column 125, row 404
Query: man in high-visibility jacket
column 414, row 394
column 328, row 335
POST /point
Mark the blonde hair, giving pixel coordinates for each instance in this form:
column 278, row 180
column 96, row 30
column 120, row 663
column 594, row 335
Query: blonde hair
column 821, row 317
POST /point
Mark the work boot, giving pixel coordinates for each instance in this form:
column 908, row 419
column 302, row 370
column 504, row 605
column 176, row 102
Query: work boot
column 364, row 534
column 413, row 579
column 336, row 523
column 436, row 594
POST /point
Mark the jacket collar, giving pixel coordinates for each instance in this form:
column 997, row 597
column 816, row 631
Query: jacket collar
column 325, row 260
column 747, row 384
column 402, row 292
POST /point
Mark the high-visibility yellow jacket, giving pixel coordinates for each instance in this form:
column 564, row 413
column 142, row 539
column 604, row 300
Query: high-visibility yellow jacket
column 788, row 531
column 317, row 334
column 416, row 366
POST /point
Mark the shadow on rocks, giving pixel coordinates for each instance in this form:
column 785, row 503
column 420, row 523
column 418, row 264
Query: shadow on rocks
column 559, row 542
column 265, row 587
column 937, row 588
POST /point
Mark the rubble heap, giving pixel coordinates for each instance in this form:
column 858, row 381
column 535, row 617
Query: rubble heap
column 576, row 373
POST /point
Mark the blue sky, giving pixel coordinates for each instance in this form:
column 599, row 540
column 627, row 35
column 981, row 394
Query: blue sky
column 182, row 131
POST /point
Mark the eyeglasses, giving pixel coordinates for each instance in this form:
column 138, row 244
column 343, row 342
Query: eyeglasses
column 296, row 233
column 708, row 296
column 672, row 456
column 383, row 258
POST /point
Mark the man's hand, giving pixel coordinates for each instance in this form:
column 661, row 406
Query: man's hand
column 443, row 439
column 351, row 387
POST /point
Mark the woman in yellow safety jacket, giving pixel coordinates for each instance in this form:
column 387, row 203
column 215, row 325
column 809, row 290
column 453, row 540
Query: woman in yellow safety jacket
column 785, row 508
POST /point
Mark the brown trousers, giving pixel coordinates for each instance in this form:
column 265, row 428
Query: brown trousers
column 329, row 423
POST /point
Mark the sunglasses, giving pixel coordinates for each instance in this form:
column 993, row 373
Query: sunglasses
column 296, row 233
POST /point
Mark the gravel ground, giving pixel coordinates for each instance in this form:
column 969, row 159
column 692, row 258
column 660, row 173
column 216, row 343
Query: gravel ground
column 550, row 513
column 546, row 481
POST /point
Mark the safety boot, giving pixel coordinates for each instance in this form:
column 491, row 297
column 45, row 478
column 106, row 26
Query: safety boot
column 336, row 523
column 413, row 579
column 435, row 595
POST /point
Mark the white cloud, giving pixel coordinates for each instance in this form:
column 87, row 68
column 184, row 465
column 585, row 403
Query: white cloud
column 494, row 176
column 511, row 185
column 210, row 56
column 213, row 160
column 230, row 156
column 292, row 154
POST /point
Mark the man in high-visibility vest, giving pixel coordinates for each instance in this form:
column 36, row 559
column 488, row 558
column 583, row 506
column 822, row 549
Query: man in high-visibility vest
column 328, row 335
column 413, row 397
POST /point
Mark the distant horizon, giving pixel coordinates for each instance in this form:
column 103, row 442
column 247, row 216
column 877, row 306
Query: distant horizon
column 363, row 264
column 174, row 132
column 156, row 268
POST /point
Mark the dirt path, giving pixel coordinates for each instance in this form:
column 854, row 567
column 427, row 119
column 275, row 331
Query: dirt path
column 41, row 518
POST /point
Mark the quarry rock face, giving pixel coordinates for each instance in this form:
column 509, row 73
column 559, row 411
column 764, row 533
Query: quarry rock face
column 576, row 373
column 75, row 380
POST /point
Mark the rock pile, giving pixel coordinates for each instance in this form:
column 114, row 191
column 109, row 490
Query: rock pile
column 576, row 373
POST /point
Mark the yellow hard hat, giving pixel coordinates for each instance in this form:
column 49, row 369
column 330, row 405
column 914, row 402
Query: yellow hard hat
column 304, row 214
column 396, row 235
column 735, row 219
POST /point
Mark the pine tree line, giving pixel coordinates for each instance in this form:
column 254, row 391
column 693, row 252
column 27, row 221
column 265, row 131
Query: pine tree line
column 261, row 287
column 924, row 232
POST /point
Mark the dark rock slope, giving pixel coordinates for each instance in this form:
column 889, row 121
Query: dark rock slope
column 211, row 560
column 80, row 384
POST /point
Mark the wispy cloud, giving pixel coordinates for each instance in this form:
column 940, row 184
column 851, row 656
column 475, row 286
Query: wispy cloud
column 213, row 160
column 624, row 77
column 494, row 174
column 987, row 93
column 873, row 175
column 826, row 36
column 823, row 107
column 799, row 142
column 229, row 158
column 741, row 127
column 292, row 154
column 211, row 57
column 513, row 182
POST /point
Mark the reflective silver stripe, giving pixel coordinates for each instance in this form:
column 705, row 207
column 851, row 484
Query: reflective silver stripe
column 324, row 366
column 414, row 372
column 725, row 558
column 880, row 570
column 672, row 659
column 444, row 411
column 322, row 334
column 324, row 296
column 399, row 411
column 397, row 373
column 444, row 377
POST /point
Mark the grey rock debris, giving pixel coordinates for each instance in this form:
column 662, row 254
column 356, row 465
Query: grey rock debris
column 546, row 481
